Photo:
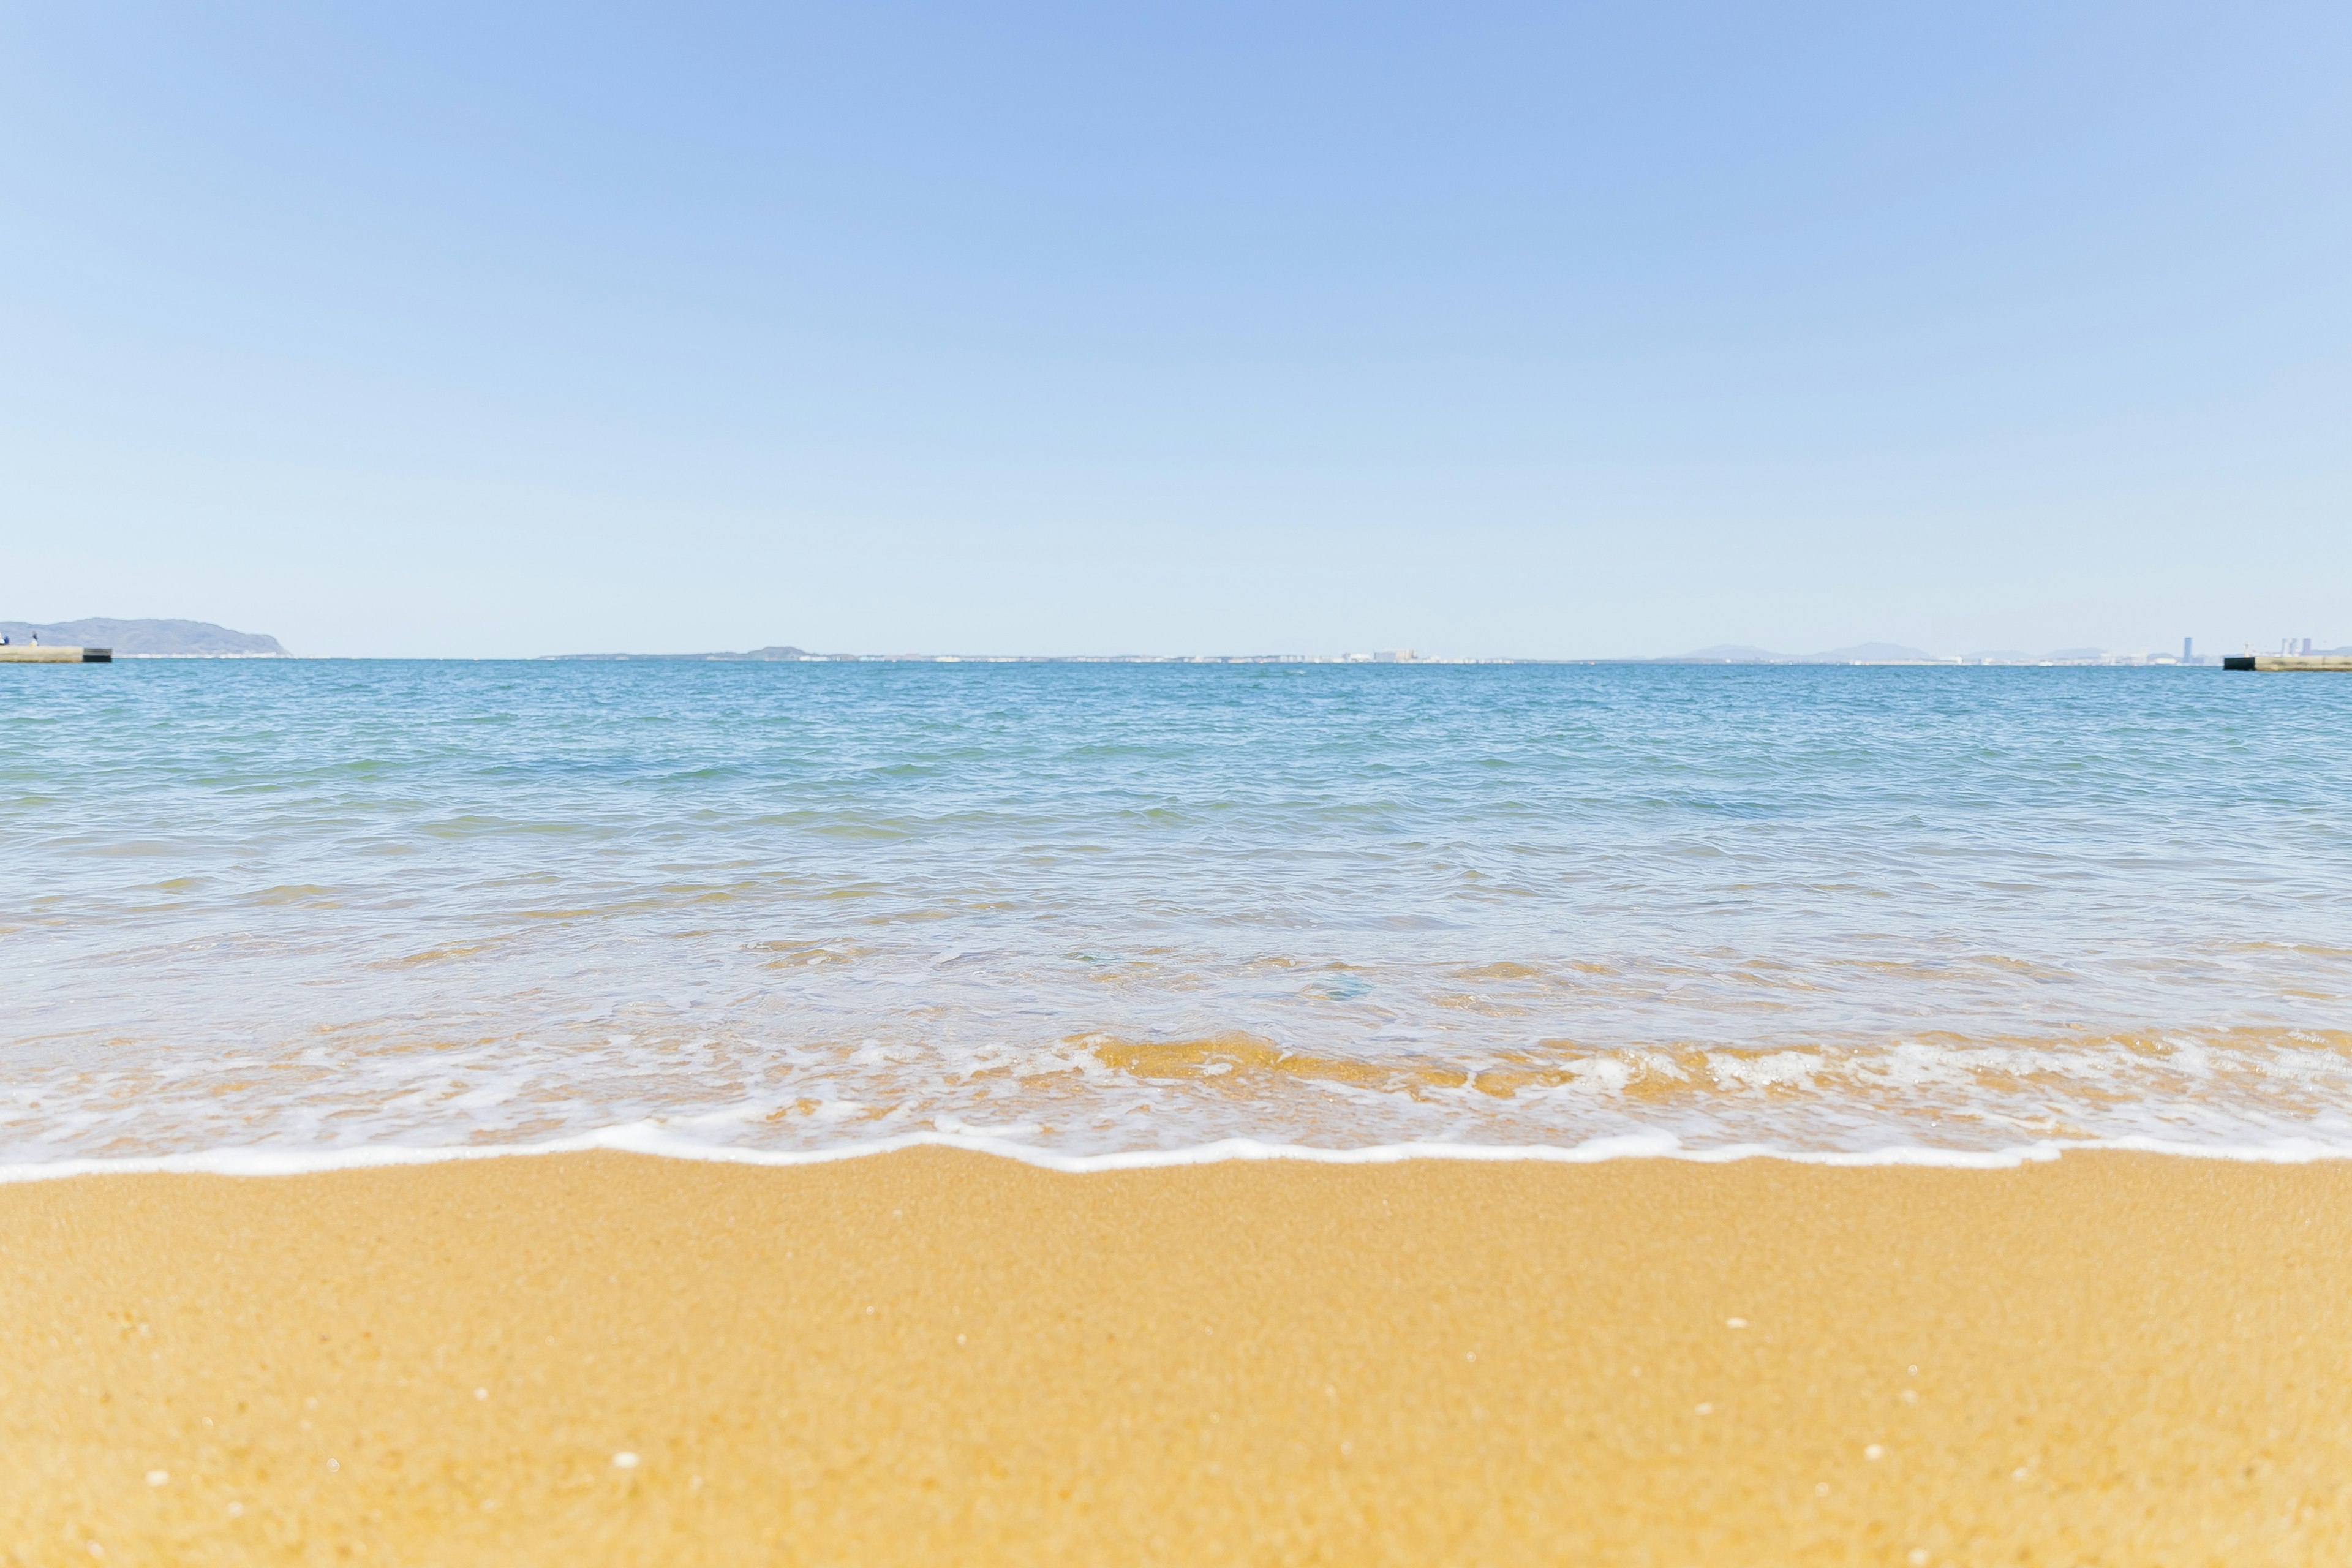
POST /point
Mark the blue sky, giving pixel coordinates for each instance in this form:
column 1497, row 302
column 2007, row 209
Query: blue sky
column 1484, row 329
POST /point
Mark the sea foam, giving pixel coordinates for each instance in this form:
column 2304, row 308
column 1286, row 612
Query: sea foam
column 653, row 1140
column 1086, row 913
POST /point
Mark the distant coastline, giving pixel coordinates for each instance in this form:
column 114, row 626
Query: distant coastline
column 788, row 655
column 1870, row 654
column 205, row 639
column 149, row 639
column 1881, row 653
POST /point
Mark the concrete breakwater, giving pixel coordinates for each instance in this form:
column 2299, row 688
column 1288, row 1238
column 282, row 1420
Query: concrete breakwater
column 35, row 653
column 2285, row 661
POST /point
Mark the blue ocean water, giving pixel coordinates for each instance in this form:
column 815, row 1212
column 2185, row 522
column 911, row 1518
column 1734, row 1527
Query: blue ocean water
column 327, row 907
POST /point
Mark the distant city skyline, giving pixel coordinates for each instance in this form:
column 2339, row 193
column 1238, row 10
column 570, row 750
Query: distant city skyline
column 1492, row 330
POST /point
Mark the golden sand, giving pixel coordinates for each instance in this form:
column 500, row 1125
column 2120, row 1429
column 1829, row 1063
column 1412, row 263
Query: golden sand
column 942, row 1358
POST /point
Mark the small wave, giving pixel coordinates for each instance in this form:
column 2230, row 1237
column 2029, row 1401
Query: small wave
column 651, row 1139
column 1111, row 913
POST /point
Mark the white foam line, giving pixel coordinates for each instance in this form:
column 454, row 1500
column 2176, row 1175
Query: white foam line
column 649, row 1138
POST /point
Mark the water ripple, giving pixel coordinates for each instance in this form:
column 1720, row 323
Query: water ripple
column 328, row 906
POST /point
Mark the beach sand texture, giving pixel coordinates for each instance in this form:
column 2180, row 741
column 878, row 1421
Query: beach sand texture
column 935, row 1356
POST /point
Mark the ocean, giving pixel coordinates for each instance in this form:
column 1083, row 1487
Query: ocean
column 269, row 915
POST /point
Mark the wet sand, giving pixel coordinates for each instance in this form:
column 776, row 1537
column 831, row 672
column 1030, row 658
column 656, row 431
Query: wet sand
column 938, row 1357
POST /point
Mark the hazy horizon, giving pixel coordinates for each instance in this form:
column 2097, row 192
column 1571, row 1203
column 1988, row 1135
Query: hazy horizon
column 219, row 641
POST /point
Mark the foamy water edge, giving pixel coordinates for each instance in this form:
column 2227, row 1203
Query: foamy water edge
column 647, row 1138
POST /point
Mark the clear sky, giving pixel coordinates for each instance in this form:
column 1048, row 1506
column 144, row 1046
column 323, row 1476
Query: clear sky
column 1544, row 329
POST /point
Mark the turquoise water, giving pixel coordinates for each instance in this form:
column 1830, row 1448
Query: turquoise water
column 326, row 907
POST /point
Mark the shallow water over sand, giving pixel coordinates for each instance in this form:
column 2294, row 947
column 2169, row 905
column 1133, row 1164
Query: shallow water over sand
column 1105, row 907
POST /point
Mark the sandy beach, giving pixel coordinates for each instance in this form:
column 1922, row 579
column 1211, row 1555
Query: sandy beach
column 935, row 1356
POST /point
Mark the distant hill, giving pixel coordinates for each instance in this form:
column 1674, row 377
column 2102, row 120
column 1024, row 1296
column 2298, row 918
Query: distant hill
column 1861, row 653
column 756, row 654
column 133, row 638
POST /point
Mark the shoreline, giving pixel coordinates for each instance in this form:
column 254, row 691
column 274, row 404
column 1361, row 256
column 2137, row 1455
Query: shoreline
column 932, row 1355
column 648, row 1140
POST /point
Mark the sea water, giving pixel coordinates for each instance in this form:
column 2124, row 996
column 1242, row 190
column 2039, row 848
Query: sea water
column 268, row 913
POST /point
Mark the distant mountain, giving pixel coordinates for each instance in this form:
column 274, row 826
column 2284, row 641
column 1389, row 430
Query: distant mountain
column 134, row 638
column 1861, row 653
column 757, row 654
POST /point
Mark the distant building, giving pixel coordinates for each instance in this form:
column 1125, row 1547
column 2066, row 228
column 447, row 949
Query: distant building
column 1394, row 656
column 2188, row 650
